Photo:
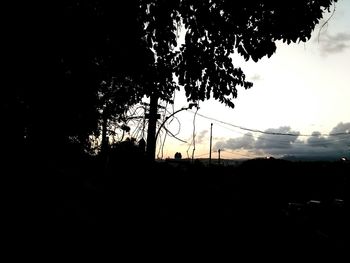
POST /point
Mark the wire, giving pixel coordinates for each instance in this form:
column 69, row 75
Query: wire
column 325, row 23
column 270, row 133
column 240, row 154
column 159, row 138
column 173, row 106
column 174, row 136
column 284, row 142
column 166, row 133
column 175, row 118
column 201, row 155
column 194, row 132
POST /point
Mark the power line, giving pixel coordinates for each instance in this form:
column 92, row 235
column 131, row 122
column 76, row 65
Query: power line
column 193, row 135
column 284, row 142
column 269, row 133
column 203, row 154
column 174, row 136
column 240, row 154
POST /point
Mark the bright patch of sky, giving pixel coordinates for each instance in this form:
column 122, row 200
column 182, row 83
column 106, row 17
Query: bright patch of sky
column 303, row 88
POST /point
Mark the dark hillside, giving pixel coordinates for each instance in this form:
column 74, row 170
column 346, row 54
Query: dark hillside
column 259, row 205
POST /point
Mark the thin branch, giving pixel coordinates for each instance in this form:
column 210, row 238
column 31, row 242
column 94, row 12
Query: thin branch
column 325, row 23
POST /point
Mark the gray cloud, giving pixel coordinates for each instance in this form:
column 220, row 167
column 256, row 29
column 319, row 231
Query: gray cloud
column 269, row 141
column 316, row 140
column 245, row 142
column 201, row 136
column 331, row 44
column 256, row 77
column 341, row 128
column 316, row 145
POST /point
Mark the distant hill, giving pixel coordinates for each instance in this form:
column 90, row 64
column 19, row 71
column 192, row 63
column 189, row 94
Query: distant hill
column 205, row 161
column 311, row 158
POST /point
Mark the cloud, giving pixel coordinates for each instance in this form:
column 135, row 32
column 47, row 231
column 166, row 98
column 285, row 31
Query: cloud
column 245, row 142
column 316, row 140
column 201, row 136
column 273, row 143
column 256, row 77
column 331, row 44
column 341, row 128
column 270, row 141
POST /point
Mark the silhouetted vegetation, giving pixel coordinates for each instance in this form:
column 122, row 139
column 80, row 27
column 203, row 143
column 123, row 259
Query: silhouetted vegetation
column 87, row 62
column 79, row 65
column 258, row 205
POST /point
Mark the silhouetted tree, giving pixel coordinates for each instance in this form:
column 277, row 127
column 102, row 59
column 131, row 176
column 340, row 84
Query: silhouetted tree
column 214, row 30
column 115, row 98
column 178, row 155
column 80, row 47
column 77, row 56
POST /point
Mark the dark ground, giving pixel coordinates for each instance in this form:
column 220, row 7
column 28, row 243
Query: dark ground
column 255, row 210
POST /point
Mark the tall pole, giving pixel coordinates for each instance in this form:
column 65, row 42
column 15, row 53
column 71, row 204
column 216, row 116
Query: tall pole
column 152, row 126
column 219, row 155
column 211, row 139
column 104, row 144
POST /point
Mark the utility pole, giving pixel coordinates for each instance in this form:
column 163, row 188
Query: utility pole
column 152, row 126
column 153, row 116
column 211, row 137
column 104, row 143
column 219, row 154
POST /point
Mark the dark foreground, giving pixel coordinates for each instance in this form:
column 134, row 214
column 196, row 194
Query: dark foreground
column 263, row 208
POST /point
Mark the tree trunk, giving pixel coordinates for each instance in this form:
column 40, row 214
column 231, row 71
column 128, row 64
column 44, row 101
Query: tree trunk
column 152, row 126
column 104, row 144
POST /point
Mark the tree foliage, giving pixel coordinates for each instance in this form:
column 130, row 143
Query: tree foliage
column 80, row 47
column 215, row 29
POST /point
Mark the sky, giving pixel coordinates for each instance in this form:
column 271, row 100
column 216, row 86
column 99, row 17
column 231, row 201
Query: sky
column 303, row 89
